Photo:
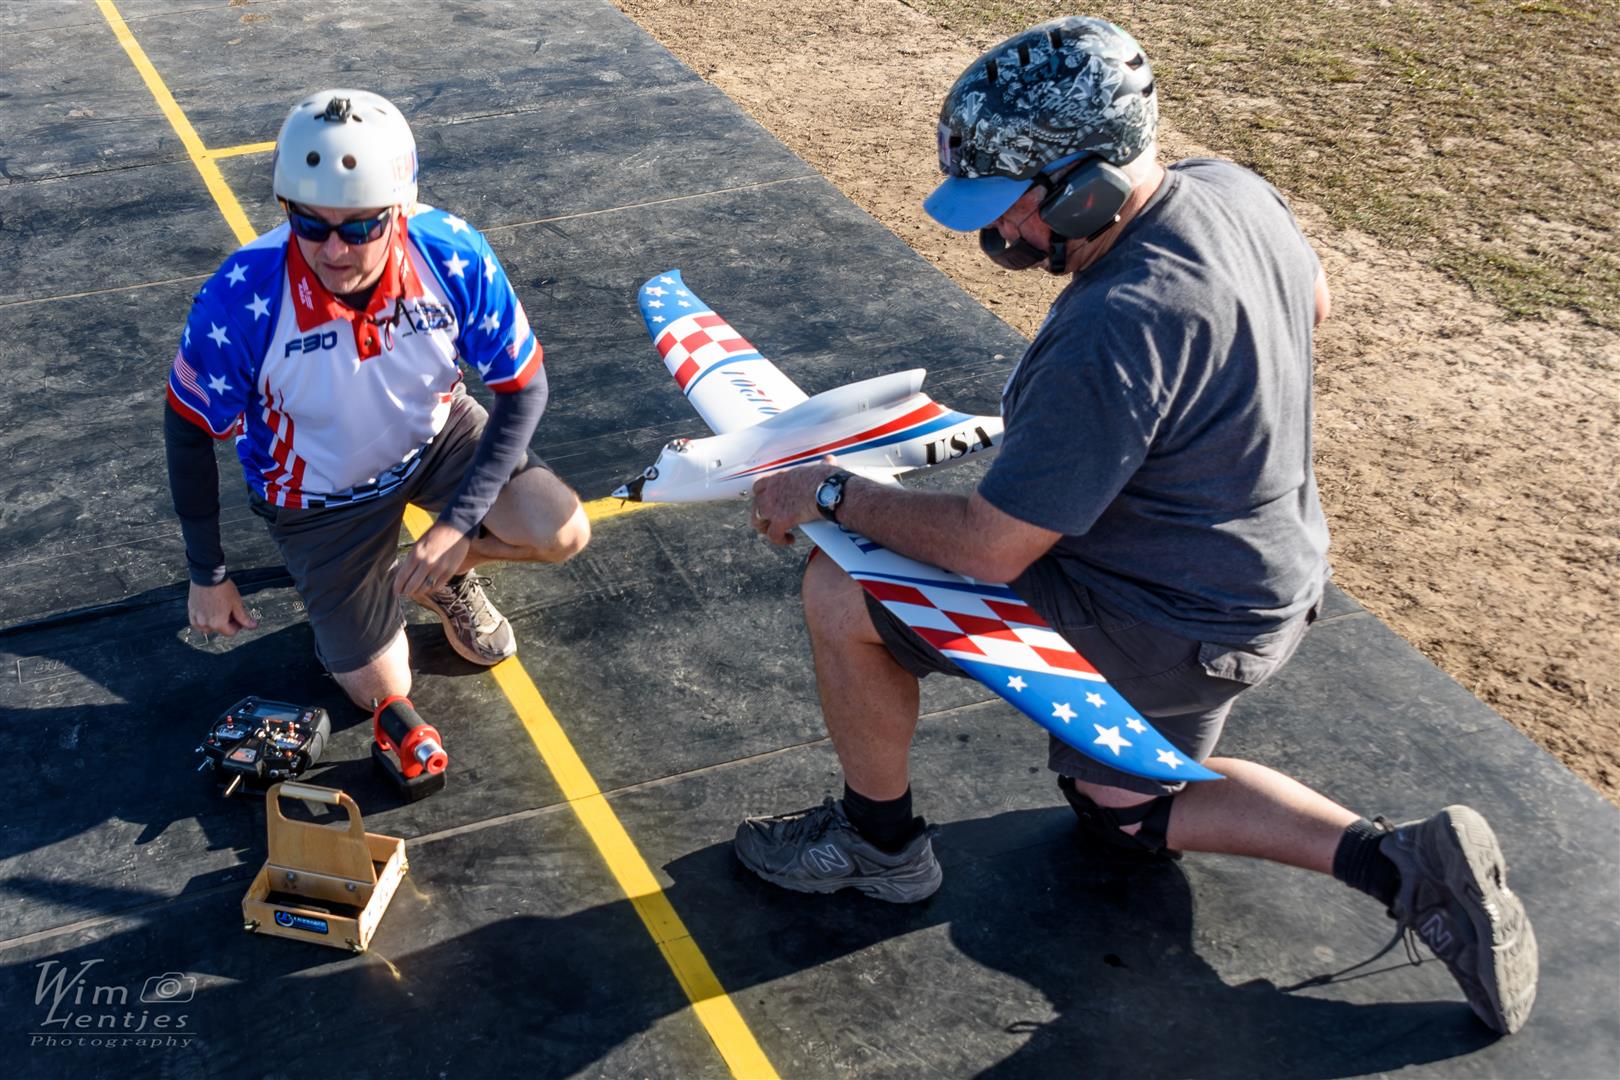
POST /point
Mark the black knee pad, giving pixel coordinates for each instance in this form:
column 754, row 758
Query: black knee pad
column 1103, row 823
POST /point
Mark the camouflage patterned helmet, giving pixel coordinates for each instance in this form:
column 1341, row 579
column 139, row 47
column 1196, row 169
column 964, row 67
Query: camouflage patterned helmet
column 1062, row 91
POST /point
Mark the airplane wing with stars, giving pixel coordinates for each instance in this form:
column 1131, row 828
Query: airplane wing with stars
column 986, row 630
column 726, row 379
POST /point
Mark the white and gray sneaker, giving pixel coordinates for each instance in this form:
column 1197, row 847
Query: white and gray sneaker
column 473, row 626
column 818, row 850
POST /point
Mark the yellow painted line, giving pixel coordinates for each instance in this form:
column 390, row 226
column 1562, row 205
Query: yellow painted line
column 710, row 1002
column 713, row 1006
column 238, row 151
column 602, row 509
column 417, row 520
column 217, row 187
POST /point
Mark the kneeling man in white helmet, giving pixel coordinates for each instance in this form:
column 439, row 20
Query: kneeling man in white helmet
column 332, row 349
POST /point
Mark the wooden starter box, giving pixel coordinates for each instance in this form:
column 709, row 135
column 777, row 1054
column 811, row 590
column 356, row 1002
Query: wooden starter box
column 328, row 884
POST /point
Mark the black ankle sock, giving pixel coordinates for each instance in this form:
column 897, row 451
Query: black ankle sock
column 887, row 823
column 1361, row 864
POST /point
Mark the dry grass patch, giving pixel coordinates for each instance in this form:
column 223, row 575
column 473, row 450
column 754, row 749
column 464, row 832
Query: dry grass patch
column 1482, row 135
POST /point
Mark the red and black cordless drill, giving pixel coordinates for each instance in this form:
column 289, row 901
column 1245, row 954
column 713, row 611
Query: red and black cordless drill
column 407, row 748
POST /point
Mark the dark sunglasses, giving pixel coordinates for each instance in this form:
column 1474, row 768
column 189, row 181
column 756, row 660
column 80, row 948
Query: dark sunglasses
column 353, row 233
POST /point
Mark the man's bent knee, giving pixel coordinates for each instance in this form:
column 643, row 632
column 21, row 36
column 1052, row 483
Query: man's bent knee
column 1119, row 818
column 569, row 540
column 834, row 603
column 518, row 542
column 538, row 518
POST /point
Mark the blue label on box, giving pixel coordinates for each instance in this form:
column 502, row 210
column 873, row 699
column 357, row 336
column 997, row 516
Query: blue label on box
column 300, row 922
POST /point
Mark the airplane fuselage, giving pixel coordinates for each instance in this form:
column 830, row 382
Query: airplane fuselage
column 879, row 428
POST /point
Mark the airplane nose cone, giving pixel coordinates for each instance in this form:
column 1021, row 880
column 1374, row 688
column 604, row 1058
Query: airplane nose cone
column 632, row 490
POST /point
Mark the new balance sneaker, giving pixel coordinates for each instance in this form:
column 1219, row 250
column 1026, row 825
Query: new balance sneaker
column 1454, row 897
column 818, row 850
column 473, row 626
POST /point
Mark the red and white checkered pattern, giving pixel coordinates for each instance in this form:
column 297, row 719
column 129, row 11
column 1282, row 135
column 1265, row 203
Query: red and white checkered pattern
column 983, row 628
column 696, row 342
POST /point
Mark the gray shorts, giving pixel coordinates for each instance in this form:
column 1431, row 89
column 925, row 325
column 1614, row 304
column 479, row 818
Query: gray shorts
column 339, row 556
column 1186, row 687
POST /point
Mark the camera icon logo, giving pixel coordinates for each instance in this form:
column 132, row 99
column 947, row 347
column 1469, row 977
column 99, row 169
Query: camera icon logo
column 169, row 988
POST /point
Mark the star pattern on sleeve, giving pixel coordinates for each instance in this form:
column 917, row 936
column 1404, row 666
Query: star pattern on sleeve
column 236, row 273
column 483, row 369
column 489, row 268
column 457, row 225
column 217, row 333
column 218, row 384
column 490, row 323
column 456, row 265
column 260, row 307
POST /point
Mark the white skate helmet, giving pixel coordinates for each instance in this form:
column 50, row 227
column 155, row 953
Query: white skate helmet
column 345, row 148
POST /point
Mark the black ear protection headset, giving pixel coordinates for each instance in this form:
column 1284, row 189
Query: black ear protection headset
column 1083, row 200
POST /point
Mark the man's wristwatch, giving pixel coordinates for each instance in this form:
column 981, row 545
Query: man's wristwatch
column 830, row 495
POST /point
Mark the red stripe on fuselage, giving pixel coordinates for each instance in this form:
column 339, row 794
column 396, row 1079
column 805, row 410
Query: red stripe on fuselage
column 915, row 416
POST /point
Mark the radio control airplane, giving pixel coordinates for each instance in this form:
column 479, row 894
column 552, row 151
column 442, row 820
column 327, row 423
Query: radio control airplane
column 880, row 428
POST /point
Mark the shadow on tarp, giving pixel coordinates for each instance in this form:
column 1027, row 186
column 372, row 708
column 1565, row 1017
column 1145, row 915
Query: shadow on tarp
column 1106, row 943
column 82, row 764
column 1108, row 947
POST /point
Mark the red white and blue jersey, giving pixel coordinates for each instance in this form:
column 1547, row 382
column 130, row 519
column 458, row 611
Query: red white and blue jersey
column 330, row 405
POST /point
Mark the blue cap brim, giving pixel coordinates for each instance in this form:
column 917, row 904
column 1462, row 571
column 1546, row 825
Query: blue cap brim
column 966, row 205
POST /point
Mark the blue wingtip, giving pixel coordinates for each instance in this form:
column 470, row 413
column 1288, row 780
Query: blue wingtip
column 1093, row 718
column 657, row 279
column 663, row 298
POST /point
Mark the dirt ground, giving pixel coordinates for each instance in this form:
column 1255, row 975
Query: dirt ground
column 1469, row 463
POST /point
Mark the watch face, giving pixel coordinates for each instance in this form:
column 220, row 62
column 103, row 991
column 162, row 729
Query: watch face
column 827, row 494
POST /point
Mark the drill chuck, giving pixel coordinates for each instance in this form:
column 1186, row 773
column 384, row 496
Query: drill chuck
column 398, row 728
column 431, row 755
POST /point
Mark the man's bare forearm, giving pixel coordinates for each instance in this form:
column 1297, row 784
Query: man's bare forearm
column 932, row 527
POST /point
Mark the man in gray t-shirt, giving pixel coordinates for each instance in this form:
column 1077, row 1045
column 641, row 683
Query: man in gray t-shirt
column 1152, row 499
column 1160, row 420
